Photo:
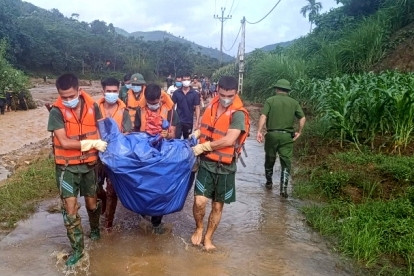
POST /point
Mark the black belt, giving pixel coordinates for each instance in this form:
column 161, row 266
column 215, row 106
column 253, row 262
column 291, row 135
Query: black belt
column 278, row 130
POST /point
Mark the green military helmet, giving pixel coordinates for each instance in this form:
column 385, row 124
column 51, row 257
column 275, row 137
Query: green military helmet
column 283, row 84
column 137, row 78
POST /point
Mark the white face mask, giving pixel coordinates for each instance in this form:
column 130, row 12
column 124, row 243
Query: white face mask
column 153, row 107
column 71, row 103
column 186, row 83
column 226, row 101
column 111, row 97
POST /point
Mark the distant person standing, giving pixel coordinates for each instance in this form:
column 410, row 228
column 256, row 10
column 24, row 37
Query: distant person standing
column 213, row 89
column 9, row 98
column 2, row 102
column 177, row 84
column 134, row 94
column 279, row 113
column 169, row 81
column 196, row 85
column 187, row 101
column 22, row 101
column 125, row 87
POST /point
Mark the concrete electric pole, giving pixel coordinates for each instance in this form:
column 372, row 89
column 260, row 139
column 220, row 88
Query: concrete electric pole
column 241, row 54
column 222, row 19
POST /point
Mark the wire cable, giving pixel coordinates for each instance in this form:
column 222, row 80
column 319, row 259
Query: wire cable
column 234, row 41
column 265, row 15
column 231, row 8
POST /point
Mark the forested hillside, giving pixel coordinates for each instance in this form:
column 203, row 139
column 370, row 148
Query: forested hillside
column 354, row 38
column 46, row 42
column 161, row 35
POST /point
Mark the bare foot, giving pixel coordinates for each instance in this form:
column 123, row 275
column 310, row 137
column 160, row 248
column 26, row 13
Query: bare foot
column 197, row 237
column 208, row 245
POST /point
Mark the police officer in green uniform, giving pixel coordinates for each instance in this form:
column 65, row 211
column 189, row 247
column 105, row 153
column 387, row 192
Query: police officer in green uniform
column 279, row 113
column 125, row 87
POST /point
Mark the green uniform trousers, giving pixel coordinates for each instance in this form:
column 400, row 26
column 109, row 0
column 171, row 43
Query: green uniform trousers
column 278, row 143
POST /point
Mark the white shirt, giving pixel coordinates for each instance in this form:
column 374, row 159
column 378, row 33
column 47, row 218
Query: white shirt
column 171, row 90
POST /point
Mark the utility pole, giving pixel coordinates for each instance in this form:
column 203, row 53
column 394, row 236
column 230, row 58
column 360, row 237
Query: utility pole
column 241, row 54
column 222, row 19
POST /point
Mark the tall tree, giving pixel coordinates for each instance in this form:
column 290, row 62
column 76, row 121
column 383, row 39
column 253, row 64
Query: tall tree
column 312, row 9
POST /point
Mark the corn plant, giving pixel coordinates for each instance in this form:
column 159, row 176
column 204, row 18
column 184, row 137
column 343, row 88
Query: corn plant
column 361, row 107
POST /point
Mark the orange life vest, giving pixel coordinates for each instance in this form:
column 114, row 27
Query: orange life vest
column 132, row 102
column 151, row 121
column 117, row 115
column 213, row 129
column 82, row 129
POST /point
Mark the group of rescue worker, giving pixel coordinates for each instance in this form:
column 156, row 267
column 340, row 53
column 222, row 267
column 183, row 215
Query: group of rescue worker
column 140, row 107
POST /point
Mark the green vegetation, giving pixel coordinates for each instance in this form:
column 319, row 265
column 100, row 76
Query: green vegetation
column 365, row 108
column 48, row 43
column 13, row 80
column 347, row 40
column 365, row 200
column 356, row 153
column 21, row 192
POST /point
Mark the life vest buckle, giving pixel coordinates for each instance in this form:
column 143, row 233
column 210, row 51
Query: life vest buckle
column 210, row 128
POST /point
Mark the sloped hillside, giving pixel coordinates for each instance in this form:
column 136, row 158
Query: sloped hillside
column 400, row 55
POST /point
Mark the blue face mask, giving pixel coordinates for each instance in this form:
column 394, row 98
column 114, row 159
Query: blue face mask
column 136, row 88
column 111, row 97
column 71, row 103
column 178, row 84
column 128, row 86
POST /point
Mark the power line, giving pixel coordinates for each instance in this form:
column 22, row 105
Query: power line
column 266, row 14
column 234, row 41
column 231, row 7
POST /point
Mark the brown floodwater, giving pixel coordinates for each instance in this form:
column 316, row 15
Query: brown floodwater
column 260, row 234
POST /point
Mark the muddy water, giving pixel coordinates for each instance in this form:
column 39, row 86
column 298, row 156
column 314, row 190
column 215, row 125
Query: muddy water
column 260, row 234
column 21, row 130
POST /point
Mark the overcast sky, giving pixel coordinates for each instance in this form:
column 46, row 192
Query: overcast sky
column 194, row 19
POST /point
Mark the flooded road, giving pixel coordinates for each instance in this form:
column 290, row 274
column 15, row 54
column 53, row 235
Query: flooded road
column 260, row 234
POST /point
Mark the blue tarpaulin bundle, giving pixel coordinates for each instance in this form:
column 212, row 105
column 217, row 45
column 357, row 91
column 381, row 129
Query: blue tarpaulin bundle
column 150, row 176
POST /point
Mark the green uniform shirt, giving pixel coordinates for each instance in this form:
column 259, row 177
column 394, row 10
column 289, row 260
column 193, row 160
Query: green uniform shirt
column 237, row 122
column 56, row 122
column 123, row 93
column 281, row 111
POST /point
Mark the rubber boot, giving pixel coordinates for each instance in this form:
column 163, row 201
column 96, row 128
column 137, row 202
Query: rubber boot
column 94, row 221
column 102, row 196
column 111, row 203
column 157, row 226
column 100, row 179
column 75, row 234
column 284, row 181
column 269, row 176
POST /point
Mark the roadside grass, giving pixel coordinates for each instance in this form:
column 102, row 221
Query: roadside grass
column 27, row 186
column 363, row 202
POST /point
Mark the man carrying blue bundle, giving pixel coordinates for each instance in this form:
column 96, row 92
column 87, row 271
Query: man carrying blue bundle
column 155, row 108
